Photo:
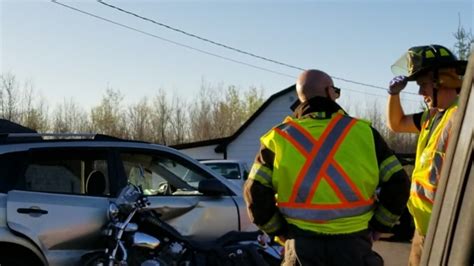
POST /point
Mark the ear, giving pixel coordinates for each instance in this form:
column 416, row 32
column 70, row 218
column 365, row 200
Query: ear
column 448, row 78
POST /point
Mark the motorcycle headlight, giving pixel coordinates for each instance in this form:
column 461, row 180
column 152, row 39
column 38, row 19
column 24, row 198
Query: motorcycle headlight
column 113, row 211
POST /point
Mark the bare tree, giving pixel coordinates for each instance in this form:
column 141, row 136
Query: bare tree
column 139, row 120
column 160, row 118
column 200, row 114
column 108, row 117
column 178, row 121
column 33, row 114
column 464, row 40
column 9, row 97
column 69, row 117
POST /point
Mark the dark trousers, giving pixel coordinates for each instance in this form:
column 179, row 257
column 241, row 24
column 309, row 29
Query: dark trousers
column 307, row 248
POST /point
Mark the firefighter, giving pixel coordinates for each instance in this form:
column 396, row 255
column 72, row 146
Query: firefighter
column 436, row 71
column 314, row 181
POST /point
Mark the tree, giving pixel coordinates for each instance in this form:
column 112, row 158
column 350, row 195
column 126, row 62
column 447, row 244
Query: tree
column 108, row 117
column 33, row 114
column 139, row 120
column 464, row 41
column 9, row 97
column 179, row 122
column 160, row 118
column 68, row 117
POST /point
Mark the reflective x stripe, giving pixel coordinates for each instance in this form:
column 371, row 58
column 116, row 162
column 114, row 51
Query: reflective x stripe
column 422, row 193
column 304, row 142
column 315, row 169
column 388, row 167
column 322, row 215
column 345, row 188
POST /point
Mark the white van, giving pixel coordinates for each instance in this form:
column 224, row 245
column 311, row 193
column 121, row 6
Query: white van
column 234, row 170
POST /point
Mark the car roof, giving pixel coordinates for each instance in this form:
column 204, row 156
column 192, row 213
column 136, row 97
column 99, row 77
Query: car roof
column 20, row 142
column 220, row 161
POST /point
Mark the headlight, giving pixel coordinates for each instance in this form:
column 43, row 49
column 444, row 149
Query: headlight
column 113, row 211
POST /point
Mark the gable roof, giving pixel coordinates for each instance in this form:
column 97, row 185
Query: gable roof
column 222, row 146
column 223, row 142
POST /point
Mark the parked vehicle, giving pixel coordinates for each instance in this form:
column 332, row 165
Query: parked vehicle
column 137, row 236
column 234, row 170
column 54, row 194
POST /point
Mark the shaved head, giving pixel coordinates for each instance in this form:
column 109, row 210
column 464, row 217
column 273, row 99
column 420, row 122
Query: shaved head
column 312, row 83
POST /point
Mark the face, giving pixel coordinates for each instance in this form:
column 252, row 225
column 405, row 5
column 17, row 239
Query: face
column 426, row 84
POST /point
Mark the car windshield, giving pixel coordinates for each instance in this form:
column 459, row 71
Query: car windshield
column 228, row 170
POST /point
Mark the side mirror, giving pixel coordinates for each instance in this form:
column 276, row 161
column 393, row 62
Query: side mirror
column 212, row 187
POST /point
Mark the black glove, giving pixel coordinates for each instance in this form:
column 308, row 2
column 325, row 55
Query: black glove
column 397, row 84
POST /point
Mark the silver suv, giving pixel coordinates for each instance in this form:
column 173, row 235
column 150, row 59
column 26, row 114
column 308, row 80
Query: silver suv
column 54, row 194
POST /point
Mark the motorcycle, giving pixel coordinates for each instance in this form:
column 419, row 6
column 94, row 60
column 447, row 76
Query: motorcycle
column 136, row 235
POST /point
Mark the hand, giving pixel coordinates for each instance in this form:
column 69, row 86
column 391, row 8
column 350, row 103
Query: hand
column 397, row 84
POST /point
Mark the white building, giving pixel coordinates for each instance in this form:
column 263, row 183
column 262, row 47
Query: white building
column 245, row 142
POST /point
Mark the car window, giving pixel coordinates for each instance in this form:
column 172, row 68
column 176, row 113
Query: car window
column 228, row 170
column 61, row 171
column 159, row 174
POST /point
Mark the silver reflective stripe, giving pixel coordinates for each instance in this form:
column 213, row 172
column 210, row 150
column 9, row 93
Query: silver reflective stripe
column 420, row 191
column 323, row 215
column 435, row 169
column 299, row 137
column 341, row 183
column 311, row 175
column 387, row 168
column 385, row 217
column 264, row 175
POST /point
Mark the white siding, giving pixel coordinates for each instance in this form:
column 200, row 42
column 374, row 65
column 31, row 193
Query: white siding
column 203, row 152
column 246, row 145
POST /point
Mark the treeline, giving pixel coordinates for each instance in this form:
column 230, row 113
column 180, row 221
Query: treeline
column 216, row 111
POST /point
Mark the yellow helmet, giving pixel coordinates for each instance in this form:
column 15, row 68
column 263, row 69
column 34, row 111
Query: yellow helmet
column 421, row 59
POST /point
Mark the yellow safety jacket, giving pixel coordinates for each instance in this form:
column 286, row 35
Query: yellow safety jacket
column 325, row 173
column 430, row 153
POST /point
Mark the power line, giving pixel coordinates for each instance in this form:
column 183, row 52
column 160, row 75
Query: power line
column 173, row 42
column 193, row 48
column 232, row 48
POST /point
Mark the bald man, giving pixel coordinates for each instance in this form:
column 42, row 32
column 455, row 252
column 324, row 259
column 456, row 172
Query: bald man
column 314, row 181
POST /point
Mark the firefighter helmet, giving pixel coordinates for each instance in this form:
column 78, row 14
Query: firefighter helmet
column 421, row 59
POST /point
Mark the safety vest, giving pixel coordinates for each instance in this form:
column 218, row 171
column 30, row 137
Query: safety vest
column 430, row 153
column 325, row 172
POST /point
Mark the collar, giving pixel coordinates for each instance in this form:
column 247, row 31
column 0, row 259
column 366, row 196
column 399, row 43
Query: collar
column 321, row 105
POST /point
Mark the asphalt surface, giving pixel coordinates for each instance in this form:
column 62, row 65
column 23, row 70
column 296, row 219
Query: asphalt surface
column 393, row 253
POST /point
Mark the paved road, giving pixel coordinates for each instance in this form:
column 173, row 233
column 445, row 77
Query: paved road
column 394, row 254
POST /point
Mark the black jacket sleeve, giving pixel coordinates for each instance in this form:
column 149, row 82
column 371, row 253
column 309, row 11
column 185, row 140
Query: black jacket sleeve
column 260, row 199
column 394, row 187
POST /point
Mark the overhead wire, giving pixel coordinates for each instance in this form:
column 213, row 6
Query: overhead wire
column 171, row 41
column 233, row 48
column 199, row 50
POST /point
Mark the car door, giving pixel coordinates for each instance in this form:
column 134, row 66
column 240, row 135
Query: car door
column 60, row 199
column 171, row 183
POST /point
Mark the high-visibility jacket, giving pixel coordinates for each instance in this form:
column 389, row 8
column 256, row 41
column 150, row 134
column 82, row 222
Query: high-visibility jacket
column 325, row 173
column 430, row 153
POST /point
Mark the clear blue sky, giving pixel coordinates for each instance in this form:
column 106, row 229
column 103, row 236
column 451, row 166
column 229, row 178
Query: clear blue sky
column 70, row 55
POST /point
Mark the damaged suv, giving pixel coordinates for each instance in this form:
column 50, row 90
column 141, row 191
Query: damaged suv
column 54, row 194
